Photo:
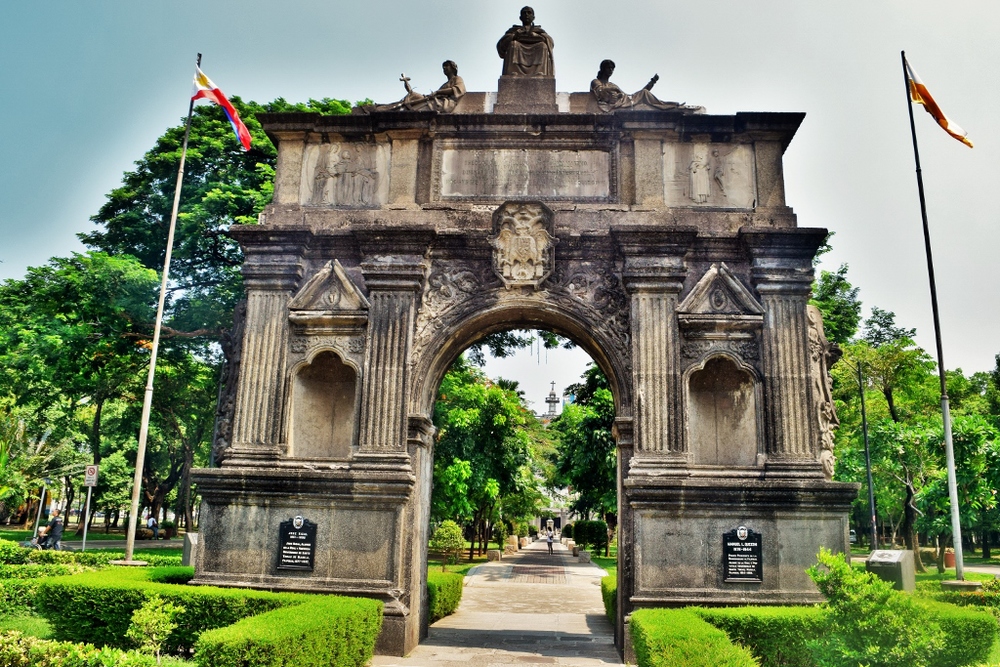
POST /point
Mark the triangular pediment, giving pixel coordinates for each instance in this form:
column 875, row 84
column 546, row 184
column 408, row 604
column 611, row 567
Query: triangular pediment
column 720, row 293
column 330, row 290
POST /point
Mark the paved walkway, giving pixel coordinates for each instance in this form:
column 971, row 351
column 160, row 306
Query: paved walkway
column 529, row 609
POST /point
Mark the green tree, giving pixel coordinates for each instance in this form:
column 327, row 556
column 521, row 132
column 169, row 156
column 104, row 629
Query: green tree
column 480, row 424
column 838, row 300
column 448, row 539
column 73, row 337
column 152, row 623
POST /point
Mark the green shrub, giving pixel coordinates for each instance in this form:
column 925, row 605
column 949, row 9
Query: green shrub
column 777, row 636
column 17, row 595
column 32, row 571
column 152, row 623
column 869, row 623
column 609, row 592
column 12, row 553
column 969, row 634
column 449, row 539
column 679, row 638
column 591, row 534
column 567, row 531
column 444, row 592
column 97, row 606
column 18, row 650
column 329, row 631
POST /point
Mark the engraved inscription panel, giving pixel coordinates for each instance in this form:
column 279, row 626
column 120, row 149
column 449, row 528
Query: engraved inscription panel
column 704, row 174
column 513, row 173
column 345, row 174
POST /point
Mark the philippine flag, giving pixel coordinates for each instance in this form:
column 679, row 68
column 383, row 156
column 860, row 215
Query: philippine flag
column 204, row 89
column 920, row 95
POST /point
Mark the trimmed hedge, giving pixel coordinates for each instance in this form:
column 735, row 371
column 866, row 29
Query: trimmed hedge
column 969, row 634
column 37, row 571
column 777, row 636
column 680, row 638
column 97, row 606
column 567, row 531
column 18, row 650
column 17, row 595
column 328, row 631
column 12, row 553
column 609, row 593
column 444, row 592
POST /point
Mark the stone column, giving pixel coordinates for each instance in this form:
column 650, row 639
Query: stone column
column 271, row 273
column 654, row 275
column 394, row 268
column 781, row 269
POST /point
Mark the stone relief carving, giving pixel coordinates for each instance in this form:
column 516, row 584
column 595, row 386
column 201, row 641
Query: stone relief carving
column 822, row 355
column 703, row 174
column 345, row 174
column 347, row 346
column 330, row 289
column 720, row 314
column 526, row 49
column 610, row 97
column 444, row 99
column 232, row 347
column 523, row 245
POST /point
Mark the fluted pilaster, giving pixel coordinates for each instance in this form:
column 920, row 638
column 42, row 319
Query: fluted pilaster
column 653, row 274
column 781, row 269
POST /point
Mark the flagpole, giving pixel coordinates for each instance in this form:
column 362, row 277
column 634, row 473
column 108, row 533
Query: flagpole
column 147, row 402
column 949, row 450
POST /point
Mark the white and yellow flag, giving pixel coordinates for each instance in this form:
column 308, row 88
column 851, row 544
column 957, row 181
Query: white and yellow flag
column 920, row 95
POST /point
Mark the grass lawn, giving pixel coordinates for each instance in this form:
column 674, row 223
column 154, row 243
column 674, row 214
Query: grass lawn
column 609, row 563
column 68, row 535
column 28, row 623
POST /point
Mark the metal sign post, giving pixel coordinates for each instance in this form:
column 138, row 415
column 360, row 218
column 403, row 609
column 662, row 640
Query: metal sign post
column 90, row 481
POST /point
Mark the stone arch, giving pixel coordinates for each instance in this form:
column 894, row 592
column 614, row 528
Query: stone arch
column 323, row 410
column 513, row 313
column 722, row 395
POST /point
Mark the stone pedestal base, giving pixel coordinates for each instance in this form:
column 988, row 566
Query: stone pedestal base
column 526, row 94
column 679, row 527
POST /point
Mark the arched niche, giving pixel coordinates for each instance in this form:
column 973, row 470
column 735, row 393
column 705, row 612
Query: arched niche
column 323, row 408
column 722, row 414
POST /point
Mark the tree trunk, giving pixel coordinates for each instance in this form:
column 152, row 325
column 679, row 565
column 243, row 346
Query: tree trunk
column 909, row 531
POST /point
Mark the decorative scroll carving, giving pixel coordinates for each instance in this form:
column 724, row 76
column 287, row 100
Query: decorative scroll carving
column 822, row 355
column 523, row 244
column 449, row 283
column 598, row 287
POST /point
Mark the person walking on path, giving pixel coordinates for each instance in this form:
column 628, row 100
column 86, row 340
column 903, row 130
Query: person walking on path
column 549, row 539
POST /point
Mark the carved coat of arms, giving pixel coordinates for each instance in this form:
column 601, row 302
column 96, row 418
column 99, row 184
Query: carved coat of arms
column 523, row 244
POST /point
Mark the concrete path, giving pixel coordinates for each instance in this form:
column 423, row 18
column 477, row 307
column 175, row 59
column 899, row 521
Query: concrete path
column 529, row 609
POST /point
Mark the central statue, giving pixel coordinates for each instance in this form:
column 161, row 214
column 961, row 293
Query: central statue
column 526, row 49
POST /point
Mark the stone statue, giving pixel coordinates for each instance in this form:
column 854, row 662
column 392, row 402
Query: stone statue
column 822, row 355
column 444, row 99
column 526, row 49
column 610, row 97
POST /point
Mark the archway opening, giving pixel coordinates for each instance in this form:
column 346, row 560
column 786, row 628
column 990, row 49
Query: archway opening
column 524, row 440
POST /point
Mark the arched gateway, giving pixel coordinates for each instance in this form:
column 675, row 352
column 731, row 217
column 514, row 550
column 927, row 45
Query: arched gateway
column 657, row 238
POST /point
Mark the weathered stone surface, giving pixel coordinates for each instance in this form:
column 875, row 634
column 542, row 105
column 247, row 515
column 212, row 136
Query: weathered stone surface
column 190, row 549
column 494, row 554
column 658, row 241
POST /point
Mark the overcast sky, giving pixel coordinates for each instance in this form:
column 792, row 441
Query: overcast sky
column 87, row 86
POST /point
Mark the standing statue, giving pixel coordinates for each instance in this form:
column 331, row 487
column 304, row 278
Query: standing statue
column 610, row 97
column 444, row 99
column 526, row 49
column 822, row 355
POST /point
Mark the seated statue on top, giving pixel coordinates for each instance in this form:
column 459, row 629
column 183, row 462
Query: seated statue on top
column 611, row 98
column 526, row 49
column 444, row 99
